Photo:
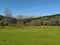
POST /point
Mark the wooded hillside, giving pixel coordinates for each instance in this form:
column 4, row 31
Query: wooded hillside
column 51, row 20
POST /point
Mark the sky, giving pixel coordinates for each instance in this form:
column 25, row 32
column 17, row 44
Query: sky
column 30, row 7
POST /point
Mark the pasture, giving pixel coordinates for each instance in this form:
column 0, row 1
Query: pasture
column 30, row 35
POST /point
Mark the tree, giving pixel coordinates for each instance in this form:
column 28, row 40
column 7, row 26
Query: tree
column 35, row 23
column 59, row 22
column 20, row 20
column 8, row 15
column 7, row 12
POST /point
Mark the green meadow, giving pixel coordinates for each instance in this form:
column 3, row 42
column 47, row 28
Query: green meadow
column 30, row 35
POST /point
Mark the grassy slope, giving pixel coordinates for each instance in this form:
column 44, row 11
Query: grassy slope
column 30, row 35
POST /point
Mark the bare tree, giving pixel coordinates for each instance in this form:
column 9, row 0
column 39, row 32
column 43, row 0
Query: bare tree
column 20, row 20
column 7, row 12
column 20, row 17
column 8, row 16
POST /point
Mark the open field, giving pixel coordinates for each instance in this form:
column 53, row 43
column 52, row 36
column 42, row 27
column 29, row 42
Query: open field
column 47, row 35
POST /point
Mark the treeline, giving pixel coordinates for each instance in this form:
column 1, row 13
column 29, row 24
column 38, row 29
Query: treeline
column 20, row 20
column 52, row 20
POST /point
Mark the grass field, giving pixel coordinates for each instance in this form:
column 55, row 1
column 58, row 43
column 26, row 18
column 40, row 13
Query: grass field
column 46, row 35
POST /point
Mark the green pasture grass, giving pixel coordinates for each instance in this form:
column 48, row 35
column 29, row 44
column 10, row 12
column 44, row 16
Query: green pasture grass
column 30, row 35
